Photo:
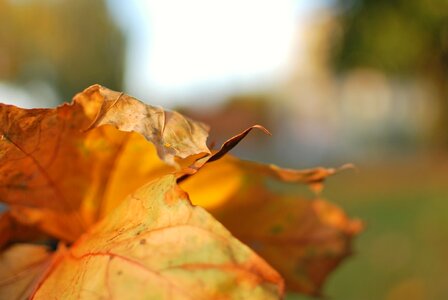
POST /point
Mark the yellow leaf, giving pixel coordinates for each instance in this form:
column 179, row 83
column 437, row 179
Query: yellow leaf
column 21, row 269
column 171, row 133
column 64, row 173
column 156, row 245
column 58, row 176
column 303, row 239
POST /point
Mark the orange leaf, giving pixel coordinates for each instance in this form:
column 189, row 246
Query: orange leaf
column 21, row 268
column 303, row 239
column 56, row 175
column 156, row 245
column 64, row 172
column 171, row 133
column 12, row 231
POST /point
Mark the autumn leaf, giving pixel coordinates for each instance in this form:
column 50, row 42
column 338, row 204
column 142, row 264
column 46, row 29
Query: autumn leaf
column 57, row 166
column 12, row 231
column 173, row 135
column 301, row 238
column 21, row 269
column 99, row 176
column 156, row 245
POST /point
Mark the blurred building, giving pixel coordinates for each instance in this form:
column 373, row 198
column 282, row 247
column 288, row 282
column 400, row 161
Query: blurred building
column 361, row 113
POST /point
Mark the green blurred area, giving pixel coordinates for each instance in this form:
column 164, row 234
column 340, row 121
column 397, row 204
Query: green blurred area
column 402, row 38
column 402, row 252
column 403, row 201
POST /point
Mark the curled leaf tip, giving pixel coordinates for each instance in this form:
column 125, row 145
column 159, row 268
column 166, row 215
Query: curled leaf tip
column 262, row 128
column 235, row 140
column 349, row 166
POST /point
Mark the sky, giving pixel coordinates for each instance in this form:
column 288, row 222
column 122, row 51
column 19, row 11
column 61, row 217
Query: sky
column 181, row 51
column 178, row 48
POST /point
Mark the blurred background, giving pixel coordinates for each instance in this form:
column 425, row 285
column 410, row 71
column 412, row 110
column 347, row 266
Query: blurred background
column 361, row 81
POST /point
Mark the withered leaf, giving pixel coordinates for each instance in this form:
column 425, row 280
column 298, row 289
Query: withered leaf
column 66, row 171
column 22, row 266
column 58, row 176
column 156, row 245
column 12, row 231
column 303, row 239
column 174, row 135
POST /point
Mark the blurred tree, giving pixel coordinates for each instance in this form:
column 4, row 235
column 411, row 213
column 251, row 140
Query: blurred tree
column 66, row 44
column 401, row 38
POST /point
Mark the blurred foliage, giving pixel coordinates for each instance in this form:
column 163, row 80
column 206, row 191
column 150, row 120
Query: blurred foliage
column 397, row 36
column 67, row 44
column 402, row 38
column 401, row 255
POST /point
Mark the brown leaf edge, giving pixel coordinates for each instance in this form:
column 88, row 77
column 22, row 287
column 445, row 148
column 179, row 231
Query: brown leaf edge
column 226, row 147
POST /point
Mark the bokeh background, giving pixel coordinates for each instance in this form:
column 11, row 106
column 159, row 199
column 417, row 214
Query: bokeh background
column 361, row 81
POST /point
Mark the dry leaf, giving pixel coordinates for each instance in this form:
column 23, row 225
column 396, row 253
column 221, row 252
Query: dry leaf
column 64, row 173
column 173, row 135
column 12, row 231
column 56, row 175
column 155, row 245
column 21, row 268
column 304, row 240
